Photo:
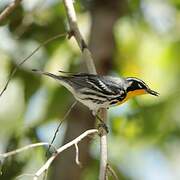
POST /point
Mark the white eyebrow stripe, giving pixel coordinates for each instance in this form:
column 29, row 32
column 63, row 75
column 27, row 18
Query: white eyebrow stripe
column 138, row 80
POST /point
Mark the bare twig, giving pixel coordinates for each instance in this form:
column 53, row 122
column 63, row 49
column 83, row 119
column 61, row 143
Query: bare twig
column 26, row 58
column 103, row 158
column 26, row 174
column 59, row 150
column 5, row 155
column 77, row 155
column 9, row 9
column 57, row 130
column 103, row 148
column 74, row 30
column 112, row 172
column 45, row 175
column 106, row 176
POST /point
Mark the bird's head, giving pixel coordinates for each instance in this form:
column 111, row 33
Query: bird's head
column 136, row 87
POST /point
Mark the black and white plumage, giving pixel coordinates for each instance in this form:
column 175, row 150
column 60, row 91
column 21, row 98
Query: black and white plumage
column 96, row 91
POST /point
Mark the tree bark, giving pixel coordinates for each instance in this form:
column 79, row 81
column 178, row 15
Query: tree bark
column 104, row 14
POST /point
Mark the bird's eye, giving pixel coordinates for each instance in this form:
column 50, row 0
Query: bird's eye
column 140, row 86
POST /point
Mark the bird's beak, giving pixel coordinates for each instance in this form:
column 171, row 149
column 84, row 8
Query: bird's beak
column 154, row 93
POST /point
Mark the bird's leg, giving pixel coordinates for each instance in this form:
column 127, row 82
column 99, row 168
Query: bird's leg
column 102, row 124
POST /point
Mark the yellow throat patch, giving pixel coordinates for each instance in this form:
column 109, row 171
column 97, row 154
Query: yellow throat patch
column 132, row 94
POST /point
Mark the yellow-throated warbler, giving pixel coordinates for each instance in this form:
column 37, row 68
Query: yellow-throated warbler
column 96, row 91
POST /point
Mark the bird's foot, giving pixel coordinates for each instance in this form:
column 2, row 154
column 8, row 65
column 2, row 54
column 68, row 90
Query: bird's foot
column 102, row 125
column 103, row 129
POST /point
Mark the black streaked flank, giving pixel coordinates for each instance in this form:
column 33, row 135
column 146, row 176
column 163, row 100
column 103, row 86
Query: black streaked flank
column 114, row 102
column 94, row 100
column 95, row 94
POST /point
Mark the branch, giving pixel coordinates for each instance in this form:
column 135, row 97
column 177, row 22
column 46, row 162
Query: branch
column 13, row 71
column 57, row 130
column 103, row 147
column 5, row 155
column 77, row 155
column 9, row 9
column 74, row 30
column 59, row 150
column 112, row 172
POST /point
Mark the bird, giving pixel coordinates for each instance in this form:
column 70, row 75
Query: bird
column 100, row 91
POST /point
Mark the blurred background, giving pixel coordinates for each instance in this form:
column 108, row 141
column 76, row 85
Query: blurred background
column 138, row 38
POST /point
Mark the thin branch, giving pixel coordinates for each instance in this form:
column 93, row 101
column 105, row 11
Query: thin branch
column 106, row 177
column 57, row 130
column 103, row 147
column 77, row 155
column 5, row 155
column 112, row 172
column 103, row 158
column 13, row 71
column 9, row 9
column 59, row 150
column 45, row 175
column 74, row 31
column 26, row 174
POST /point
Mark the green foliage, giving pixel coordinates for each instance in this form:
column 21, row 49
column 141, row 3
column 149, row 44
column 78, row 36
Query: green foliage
column 12, row 166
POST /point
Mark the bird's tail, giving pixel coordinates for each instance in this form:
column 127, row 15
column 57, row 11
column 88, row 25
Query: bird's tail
column 63, row 80
column 48, row 74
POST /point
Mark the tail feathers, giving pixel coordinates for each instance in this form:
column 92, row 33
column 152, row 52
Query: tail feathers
column 63, row 80
column 47, row 74
column 73, row 74
column 65, row 72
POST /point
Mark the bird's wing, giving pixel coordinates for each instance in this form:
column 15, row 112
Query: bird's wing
column 105, row 85
column 100, row 84
column 89, row 84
